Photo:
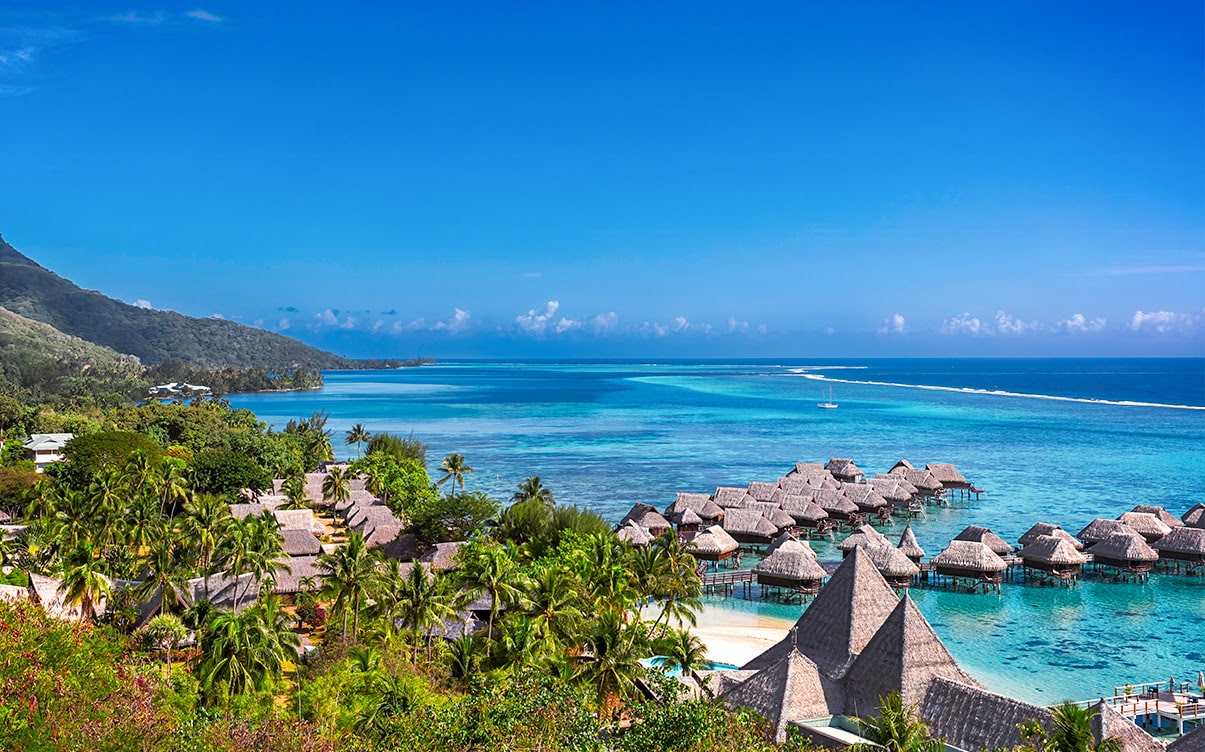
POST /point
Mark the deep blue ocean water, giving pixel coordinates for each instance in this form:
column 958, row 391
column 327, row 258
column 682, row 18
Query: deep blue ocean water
column 1089, row 438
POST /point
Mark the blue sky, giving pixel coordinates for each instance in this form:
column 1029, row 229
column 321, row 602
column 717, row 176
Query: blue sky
column 623, row 179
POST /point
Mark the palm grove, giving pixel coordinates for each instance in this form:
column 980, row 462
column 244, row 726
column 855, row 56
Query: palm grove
column 136, row 525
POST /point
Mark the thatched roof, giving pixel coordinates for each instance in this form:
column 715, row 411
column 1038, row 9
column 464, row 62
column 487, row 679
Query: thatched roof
column 789, row 690
column 689, row 517
column 748, row 522
column 1182, row 540
column 402, row 547
column 840, row 621
column 362, row 516
column 865, row 535
column 442, row 556
column 803, row 509
column 923, row 480
column 908, row 545
column 842, row 468
column 945, row 472
column 1124, row 546
column 779, row 518
column 792, row 484
column 634, row 534
column 788, row 564
column 969, row 555
column 864, row 495
column 1145, row 524
column 700, row 503
column 905, row 464
column 1195, row 517
column 904, row 656
column 998, row 545
column 834, row 502
column 299, row 519
column 243, row 511
column 1166, row 517
column 1051, row 549
column 890, row 561
column 790, row 543
column 895, row 490
column 299, row 568
column 1045, row 528
column 1109, row 724
column 222, row 590
column 300, row 543
column 762, row 490
column 714, row 541
column 1099, row 529
column 48, row 591
column 638, row 510
column 807, row 468
column 1194, row 742
column 731, row 496
column 654, row 520
column 973, row 718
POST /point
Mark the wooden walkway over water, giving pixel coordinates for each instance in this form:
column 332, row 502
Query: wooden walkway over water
column 1154, row 705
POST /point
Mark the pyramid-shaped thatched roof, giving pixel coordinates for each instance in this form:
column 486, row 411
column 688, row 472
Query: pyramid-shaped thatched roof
column 1053, row 550
column 1194, row 742
column 865, row 535
column 1125, row 546
column 841, row 620
column 1109, row 724
column 843, row 468
column 791, row 565
column 635, row 535
column 971, row 556
column 905, row 464
column 1186, row 541
column 834, row 502
column 1194, row 517
column 700, row 503
column 762, row 490
column 864, row 495
column 1099, row 529
column 908, row 545
column 690, row 517
column 894, row 489
column 945, row 472
column 890, row 561
column 922, row 479
column 998, row 545
column 802, row 509
column 1166, row 517
column 750, row 522
column 788, row 542
column 778, row 518
column 904, row 656
column 1145, row 524
column 808, row 468
column 638, row 510
column 973, row 718
column 790, row 689
column 714, row 541
column 792, row 484
column 1045, row 528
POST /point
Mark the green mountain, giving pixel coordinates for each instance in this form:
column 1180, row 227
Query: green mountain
column 36, row 293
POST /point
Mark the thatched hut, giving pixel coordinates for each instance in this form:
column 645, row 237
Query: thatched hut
column 1183, row 544
column 789, row 542
column 442, row 556
column 947, row 475
column 970, row 718
column 796, row 570
column 634, row 535
column 970, row 559
column 807, row 468
column 701, row 504
column 903, row 464
column 1192, row 742
column 894, row 489
column 1194, row 517
column 998, row 545
column 1045, row 528
column 1107, row 723
column 909, row 546
column 792, row 484
column 1166, row 517
column 689, row 522
column 837, row 504
column 1099, row 529
column 805, row 512
column 749, row 526
column 1145, row 524
column 1053, row 554
column 713, row 544
column 865, row 535
column 1127, row 551
column 779, row 518
column 844, row 469
column 638, row 510
column 864, row 495
column 896, row 568
column 791, row 689
column 762, row 490
column 300, row 543
column 301, row 574
column 922, row 480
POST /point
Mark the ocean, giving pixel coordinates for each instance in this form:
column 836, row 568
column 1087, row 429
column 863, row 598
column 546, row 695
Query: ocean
column 1053, row 440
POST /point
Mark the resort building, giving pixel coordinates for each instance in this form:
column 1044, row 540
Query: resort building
column 45, row 448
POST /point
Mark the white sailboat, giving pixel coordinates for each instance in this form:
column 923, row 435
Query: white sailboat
column 829, row 405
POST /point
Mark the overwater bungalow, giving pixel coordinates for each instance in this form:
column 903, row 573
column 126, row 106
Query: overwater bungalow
column 1126, row 551
column 702, row 505
column 731, row 497
column 998, row 545
column 788, row 541
column 896, row 491
column 971, row 560
column 793, row 569
column 779, row 517
column 647, row 517
column 1182, row 544
column 1166, row 517
column 713, row 544
column 844, row 469
column 948, row 475
column 1194, row 517
column 806, row 513
column 1145, row 524
column 762, row 490
column 807, row 468
column 838, row 506
column 865, row 496
column 924, row 481
column 1045, row 528
column 1099, row 529
column 1191, row 742
column 909, row 547
column 689, row 522
column 792, row 484
column 895, row 567
column 749, row 526
column 865, row 535
column 634, row 535
column 903, row 464
column 1054, row 555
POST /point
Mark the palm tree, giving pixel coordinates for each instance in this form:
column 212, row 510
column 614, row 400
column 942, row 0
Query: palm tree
column 492, row 570
column 358, row 435
column 294, row 491
column 336, row 486
column 551, row 604
column 206, row 521
column 349, row 574
column 83, row 583
column 167, row 570
column 686, row 651
column 252, row 546
column 241, row 652
column 174, row 484
column 455, row 469
column 532, row 490
column 1072, row 732
column 898, row 728
column 613, row 665
column 166, row 631
column 462, row 657
column 425, row 600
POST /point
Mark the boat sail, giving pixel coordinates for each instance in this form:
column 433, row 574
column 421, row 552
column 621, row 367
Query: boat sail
column 829, row 405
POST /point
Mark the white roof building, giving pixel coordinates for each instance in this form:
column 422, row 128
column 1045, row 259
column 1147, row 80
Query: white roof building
column 45, row 448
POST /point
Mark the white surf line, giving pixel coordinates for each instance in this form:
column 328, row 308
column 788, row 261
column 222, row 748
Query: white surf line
column 1001, row 393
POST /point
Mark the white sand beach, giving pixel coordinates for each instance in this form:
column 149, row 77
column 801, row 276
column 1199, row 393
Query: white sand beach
column 737, row 637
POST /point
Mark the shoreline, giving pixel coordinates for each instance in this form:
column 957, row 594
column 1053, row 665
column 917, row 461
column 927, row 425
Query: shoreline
column 737, row 637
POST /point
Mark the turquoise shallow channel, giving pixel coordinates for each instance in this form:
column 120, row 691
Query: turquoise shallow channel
column 1089, row 438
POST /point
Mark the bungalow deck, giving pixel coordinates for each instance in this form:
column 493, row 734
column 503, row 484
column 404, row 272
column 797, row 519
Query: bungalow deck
column 1156, row 705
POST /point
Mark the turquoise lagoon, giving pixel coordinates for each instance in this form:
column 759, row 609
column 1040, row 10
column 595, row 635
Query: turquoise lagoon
column 1061, row 441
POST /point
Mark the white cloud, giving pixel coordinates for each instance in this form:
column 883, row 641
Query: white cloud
column 1162, row 322
column 283, row 324
column 203, row 15
column 963, row 324
column 535, row 323
column 1125, row 271
column 217, row 316
column 133, row 17
column 144, row 303
column 737, row 326
column 17, row 57
column 604, row 322
column 567, row 325
column 1006, row 324
column 679, row 324
column 531, row 275
column 1078, row 324
column 328, row 317
column 894, row 324
column 458, row 323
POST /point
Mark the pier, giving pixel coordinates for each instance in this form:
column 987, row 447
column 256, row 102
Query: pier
column 1158, row 705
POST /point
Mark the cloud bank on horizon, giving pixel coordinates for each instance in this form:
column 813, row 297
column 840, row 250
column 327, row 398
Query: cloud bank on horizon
column 549, row 179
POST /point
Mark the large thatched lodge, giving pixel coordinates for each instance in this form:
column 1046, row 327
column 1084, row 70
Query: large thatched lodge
column 858, row 642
